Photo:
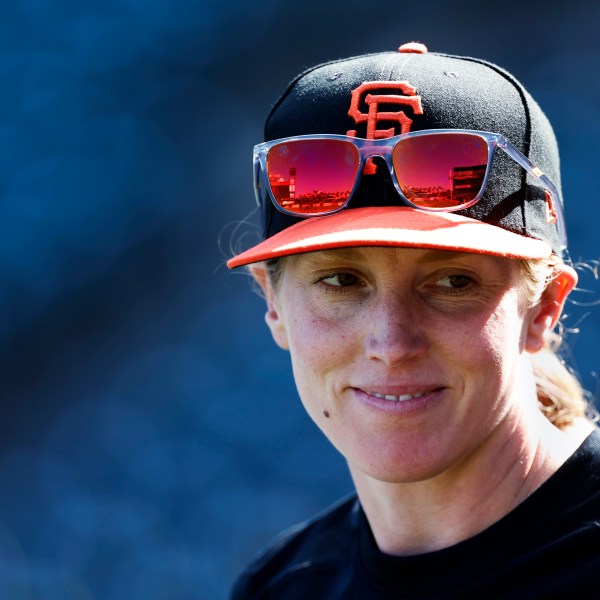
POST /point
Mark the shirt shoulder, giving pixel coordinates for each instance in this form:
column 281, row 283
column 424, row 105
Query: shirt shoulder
column 579, row 480
column 316, row 546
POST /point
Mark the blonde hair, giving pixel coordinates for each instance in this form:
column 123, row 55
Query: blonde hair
column 561, row 398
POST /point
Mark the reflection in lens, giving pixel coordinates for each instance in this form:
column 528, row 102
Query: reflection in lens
column 312, row 176
column 441, row 170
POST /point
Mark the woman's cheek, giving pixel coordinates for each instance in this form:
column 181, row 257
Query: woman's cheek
column 321, row 355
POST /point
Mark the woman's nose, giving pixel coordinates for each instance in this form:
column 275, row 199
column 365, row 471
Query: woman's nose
column 395, row 332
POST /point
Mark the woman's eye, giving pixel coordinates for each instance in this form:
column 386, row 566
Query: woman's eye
column 455, row 282
column 340, row 279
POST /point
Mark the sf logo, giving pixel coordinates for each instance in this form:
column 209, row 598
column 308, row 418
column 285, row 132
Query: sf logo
column 402, row 94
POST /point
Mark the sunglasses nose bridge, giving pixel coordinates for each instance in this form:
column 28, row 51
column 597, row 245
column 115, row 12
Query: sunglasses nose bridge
column 370, row 151
column 376, row 150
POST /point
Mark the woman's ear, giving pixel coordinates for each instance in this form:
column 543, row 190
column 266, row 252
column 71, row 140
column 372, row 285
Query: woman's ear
column 544, row 315
column 273, row 316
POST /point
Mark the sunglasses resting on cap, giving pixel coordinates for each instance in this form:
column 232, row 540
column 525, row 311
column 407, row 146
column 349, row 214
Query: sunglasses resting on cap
column 401, row 149
column 432, row 170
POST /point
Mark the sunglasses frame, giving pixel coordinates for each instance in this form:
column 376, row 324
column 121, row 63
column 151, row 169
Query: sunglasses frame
column 384, row 148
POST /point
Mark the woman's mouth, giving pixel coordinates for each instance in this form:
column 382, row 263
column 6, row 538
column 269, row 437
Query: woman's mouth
column 402, row 401
column 392, row 398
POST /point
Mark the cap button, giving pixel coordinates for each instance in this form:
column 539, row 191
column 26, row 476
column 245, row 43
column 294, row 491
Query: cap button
column 413, row 47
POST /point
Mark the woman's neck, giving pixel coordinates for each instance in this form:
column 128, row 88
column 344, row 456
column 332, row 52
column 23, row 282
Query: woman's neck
column 418, row 517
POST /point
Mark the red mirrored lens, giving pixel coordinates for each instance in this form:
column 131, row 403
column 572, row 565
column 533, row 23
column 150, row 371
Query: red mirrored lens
column 441, row 170
column 312, row 176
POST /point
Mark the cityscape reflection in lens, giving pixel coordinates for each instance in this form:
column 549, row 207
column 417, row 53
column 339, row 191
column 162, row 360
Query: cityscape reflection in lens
column 312, row 176
column 441, row 171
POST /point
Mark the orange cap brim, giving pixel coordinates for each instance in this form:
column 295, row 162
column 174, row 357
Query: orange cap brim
column 394, row 226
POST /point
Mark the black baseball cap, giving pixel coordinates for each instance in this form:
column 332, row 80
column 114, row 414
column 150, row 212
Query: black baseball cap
column 512, row 217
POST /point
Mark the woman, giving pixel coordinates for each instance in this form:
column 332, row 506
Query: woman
column 412, row 267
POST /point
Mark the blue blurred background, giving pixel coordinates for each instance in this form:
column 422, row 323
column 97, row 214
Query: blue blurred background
column 151, row 439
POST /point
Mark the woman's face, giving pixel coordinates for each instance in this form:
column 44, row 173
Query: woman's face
column 409, row 360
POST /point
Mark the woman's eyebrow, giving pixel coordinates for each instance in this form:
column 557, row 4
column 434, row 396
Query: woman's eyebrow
column 442, row 255
column 353, row 253
column 357, row 254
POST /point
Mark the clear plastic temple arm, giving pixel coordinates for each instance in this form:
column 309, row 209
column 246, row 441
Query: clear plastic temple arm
column 517, row 156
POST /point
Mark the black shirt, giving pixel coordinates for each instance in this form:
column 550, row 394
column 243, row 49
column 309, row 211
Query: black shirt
column 548, row 547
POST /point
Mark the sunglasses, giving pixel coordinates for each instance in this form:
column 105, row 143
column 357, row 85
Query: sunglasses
column 432, row 170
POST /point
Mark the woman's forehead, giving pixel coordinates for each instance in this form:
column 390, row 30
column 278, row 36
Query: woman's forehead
column 396, row 254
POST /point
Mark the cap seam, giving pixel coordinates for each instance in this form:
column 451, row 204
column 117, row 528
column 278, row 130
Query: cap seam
column 528, row 128
column 294, row 81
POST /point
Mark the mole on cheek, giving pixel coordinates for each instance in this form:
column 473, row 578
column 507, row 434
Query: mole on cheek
column 326, row 414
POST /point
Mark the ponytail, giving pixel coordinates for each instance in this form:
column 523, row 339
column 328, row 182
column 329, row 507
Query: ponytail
column 561, row 398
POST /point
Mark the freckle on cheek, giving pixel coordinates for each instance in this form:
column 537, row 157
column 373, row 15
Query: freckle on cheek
column 326, row 414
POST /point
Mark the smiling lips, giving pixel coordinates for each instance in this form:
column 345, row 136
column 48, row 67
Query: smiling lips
column 392, row 398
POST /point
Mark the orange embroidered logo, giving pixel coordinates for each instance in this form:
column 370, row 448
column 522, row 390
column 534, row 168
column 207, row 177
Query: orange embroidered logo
column 371, row 93
column 551, row 216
